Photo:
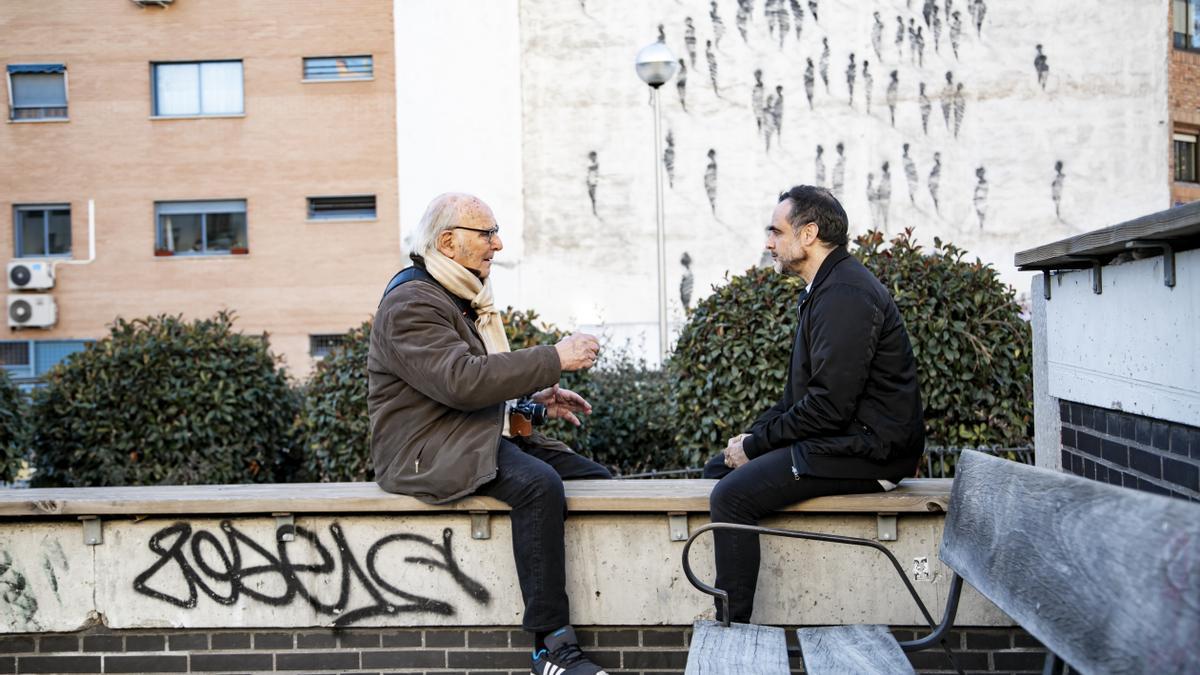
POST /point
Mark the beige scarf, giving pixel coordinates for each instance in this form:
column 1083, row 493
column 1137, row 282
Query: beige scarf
column 459, row 281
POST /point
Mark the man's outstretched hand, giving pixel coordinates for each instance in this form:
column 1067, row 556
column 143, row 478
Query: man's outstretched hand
column 577, row 351
column 562, row 404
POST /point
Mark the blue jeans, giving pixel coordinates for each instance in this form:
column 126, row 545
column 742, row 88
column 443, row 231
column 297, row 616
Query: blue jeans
column 758, row 488
column 530, row 480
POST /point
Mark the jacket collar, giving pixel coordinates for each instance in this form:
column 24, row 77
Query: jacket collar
column 832, row 260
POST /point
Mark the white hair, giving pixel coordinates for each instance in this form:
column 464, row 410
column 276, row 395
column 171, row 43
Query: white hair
column 441, row 215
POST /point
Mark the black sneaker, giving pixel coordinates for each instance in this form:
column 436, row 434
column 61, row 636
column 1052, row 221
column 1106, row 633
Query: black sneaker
column 562, row 656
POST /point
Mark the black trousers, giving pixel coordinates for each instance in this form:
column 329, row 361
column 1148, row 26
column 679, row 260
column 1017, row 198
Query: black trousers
column 530, row 480
column 758, row 488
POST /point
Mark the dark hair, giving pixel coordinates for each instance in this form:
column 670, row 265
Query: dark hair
column 811, row 204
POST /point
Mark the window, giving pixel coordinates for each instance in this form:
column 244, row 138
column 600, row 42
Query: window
column 201, row 228
column 1185, row 158
column 339, row 68
column 207, row 88
column 37, row 92
column 42, row 230
column 334, row 208
column 319, row 346
column 1184, row 16
column 27, row 360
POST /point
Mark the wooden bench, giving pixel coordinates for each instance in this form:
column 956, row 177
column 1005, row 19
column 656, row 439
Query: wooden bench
column 1107, row 578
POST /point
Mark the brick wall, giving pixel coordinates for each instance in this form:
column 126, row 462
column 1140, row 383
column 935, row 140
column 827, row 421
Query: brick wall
column 479, row 651
column 1184, row 96
column 1131, row 450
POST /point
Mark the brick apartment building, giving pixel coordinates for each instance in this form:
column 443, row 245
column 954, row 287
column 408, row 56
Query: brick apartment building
column 239, row 155
column 1185, row 100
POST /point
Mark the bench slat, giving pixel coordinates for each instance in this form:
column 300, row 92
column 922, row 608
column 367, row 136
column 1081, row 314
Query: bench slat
column 852, row 650
column 740, row 648
column 913, row 495
column 1104, row 576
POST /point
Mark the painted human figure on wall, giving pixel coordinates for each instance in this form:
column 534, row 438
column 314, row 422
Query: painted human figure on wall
column 718, row 25
column 809, row 82
column 925, row 106
column 910, row 174
column 668, row 159
column 710, row 180
column 981, row 195
column 1042, row 67
column 758, row 99
column 1056, row 188
column 686, row 281
column 839, row 171
column 593, row 178
column 935, row 180
column 689, row 39
column 681, row 84
column 893, row 95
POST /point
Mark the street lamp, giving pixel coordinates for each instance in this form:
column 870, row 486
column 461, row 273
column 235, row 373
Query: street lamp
column 656, row 65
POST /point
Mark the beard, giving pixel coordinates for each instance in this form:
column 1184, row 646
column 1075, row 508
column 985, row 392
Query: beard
column 791, row 265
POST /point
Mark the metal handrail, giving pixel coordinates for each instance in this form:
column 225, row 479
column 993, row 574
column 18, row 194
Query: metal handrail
column 938, row 630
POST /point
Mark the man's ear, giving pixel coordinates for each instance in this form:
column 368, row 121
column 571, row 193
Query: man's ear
column 810, row 234
column 445, row 244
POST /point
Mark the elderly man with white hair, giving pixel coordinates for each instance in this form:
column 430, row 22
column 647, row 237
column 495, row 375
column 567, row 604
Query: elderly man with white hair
column 442, row 387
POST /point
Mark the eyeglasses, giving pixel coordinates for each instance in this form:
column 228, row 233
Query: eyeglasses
column 487, row 234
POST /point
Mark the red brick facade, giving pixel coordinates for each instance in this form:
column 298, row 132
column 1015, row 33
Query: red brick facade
column 1185, row 108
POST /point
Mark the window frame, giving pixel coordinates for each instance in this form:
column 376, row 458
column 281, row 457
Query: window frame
column 156, row 114
column 1192, row 138
column 177, row 208
column 45, row 208
column 12, row 103
column 1190, row 22
column 335, row 340
column 304, row 70
column 359, row 214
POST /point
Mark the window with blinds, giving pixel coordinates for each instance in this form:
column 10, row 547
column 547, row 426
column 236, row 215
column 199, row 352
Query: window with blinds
column 319, row 346
column 37, row 91
column 339, row 68
column 341, row 208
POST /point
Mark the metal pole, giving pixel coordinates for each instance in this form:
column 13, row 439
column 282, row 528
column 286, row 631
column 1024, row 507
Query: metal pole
column 662, row 233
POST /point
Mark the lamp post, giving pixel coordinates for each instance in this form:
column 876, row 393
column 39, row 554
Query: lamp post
column 656, row 65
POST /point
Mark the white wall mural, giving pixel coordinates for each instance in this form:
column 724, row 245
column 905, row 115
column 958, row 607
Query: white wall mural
column 1050, row 124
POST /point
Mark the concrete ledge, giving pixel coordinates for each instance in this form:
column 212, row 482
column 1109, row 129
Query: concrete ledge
column 916, row 495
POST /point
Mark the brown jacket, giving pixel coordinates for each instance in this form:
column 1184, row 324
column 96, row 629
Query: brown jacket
column 436, row 398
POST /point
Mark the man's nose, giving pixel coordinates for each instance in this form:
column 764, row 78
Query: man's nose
column 497, row 244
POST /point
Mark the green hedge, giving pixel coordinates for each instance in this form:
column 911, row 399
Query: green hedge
column 333, row 430
column 971, row 344
column 161, row 401
column 14, row 428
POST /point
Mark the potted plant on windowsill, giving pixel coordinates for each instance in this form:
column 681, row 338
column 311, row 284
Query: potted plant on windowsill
column 238, row 250
column 160, row 252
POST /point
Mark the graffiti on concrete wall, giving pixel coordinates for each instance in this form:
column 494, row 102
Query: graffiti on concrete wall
column 18, row 602
column 231, row 566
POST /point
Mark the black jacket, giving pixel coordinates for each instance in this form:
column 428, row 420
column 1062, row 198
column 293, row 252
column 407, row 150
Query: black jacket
column 852, row 407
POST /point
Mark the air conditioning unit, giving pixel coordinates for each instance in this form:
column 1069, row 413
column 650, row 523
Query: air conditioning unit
column 30, row 275
column 32, row 311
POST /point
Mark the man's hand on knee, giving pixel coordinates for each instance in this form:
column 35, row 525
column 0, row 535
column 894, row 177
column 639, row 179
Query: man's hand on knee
column 735, row 456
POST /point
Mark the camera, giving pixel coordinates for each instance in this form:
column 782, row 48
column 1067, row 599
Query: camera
column 534, row 412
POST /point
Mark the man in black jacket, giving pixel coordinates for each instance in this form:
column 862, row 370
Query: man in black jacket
column 850, row 418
